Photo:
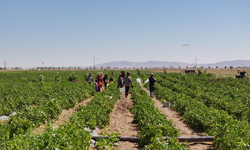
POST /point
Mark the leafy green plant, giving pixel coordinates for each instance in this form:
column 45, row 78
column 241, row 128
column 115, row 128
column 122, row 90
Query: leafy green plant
column 57, row 77
column 72, row 77
column 109, row 143
column 152, row 123
column 203, row 106
column 41, row 78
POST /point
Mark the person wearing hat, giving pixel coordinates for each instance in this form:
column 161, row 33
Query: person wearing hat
column 152, row 80
column 105, row 80
column 127, row 82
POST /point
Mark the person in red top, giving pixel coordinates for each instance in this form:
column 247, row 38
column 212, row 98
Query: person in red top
column 99, row 83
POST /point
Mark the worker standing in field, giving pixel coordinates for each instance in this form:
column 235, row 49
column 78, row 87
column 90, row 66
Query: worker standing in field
column 90, row 78
column 122, row 74
column 105, row 80
column 99, row 83
column 127, row 82
column 96, row 84
column 152, row 81
column 120, row 81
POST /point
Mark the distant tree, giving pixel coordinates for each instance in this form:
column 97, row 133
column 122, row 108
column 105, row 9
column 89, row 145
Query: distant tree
column 179, row 67
column 101, row 67
column 201, row 67
column 1, row 68
column 231, row 67
column 187, row 67
column 209, row 67
column 225, row 67
column 146, row 67
column 217, row 67
column 78, row 68
column 171, row 67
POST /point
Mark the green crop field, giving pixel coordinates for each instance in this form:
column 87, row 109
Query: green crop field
column 216, row 106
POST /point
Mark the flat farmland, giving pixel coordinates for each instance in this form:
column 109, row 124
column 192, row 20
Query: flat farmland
column 61, row 110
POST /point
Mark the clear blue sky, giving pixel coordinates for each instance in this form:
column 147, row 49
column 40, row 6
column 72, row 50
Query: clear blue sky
column 71, row 33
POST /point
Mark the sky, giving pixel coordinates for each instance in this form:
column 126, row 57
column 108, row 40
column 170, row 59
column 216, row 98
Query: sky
column 71, row 33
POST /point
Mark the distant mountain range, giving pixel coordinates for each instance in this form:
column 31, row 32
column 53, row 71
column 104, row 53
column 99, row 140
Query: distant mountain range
column 151, row 64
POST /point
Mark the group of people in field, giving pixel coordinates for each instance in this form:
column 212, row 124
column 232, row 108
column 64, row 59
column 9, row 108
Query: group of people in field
column 99, row 81
column 122, row 81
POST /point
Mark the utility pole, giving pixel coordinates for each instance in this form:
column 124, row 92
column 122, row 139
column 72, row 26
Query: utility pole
column 4, row 64
column 196, row 62
column 94, row 63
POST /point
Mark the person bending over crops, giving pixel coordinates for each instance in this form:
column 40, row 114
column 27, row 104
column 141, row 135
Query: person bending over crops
column 105, row 80
column 120, row 81
column 90, row 78
column 111, row 79
column 127, row 82
column 152, row 81
column 99, row 83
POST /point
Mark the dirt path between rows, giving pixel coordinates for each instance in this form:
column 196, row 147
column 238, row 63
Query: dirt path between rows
column 63, row 117
column 121, row 121
column 185, row 130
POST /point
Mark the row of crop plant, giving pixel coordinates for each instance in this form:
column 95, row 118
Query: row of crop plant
column 152, row 123
column 18, row 92
column 221, row 98
column 30, row 117
column 229, row 133
column 71, row 135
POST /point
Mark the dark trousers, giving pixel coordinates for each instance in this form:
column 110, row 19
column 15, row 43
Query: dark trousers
column 152, row 90
column 126, row 90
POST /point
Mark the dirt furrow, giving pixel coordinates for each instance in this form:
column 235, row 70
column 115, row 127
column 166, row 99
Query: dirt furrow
column 121, row 120
column 185, row 130
column 63, row 117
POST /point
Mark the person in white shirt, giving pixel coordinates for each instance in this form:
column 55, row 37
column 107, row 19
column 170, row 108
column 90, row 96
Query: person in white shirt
column 90, row 78
column 127, row 82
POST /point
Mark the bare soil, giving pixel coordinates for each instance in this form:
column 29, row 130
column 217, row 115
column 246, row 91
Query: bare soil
column 63, row 117
column 121, row 120
column 185, row 130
